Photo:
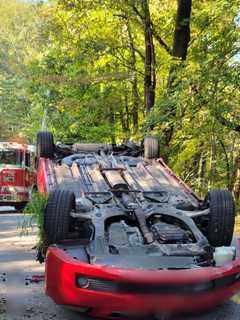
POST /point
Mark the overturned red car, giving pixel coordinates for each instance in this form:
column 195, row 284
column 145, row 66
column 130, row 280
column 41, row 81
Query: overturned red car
column 127, row 237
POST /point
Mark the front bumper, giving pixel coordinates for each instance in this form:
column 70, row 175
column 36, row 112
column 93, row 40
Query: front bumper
column 113, row 291
column 14, row 195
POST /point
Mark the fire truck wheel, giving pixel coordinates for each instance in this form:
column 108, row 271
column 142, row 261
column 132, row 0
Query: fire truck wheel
column 221, row 217
column 57, row 219
column 151, row 148
column 45, row 145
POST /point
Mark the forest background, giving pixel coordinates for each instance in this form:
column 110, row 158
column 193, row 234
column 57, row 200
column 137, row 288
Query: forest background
column 109, row 71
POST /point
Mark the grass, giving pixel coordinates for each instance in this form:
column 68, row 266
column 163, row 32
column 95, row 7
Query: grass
column 34, row 216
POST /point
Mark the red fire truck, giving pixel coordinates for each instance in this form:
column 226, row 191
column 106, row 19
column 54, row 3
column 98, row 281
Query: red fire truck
column 17, row 174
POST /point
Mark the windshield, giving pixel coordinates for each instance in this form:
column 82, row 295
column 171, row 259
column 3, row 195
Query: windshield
column 10, row 157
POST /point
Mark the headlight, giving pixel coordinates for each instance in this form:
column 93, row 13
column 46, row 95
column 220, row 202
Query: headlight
column 82, row 282
column 201, row 287
column 9, row 177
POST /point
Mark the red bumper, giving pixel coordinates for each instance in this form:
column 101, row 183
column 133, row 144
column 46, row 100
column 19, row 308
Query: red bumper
column 62, row 270
column 14, row 197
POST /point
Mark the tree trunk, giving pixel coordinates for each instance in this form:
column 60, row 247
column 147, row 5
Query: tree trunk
column 182, row 29
column 127, row 127
column 213, row 162
column 150, row 60
column 111, row 119
column 136, row 98
column 136, row 102
column 228, row 170
column 236, row 188
column 180, row 47
column 181, row 37
column 124, row 116
column 201, row 174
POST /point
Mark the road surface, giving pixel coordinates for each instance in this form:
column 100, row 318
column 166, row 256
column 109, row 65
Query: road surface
column 20, row 300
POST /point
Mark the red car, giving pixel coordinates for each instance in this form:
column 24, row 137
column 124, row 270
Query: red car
column 127, row 237
column 17, row 174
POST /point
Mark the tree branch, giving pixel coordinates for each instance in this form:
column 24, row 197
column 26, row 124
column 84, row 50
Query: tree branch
column 139, row 53
column 227, row 123
column 158, row 38
column 137, row 12
column 161, row 42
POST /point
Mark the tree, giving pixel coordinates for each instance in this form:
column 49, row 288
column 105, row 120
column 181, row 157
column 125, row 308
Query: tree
column 179, row 53
column 105, row 71
column 17, row 47
column 150, row 60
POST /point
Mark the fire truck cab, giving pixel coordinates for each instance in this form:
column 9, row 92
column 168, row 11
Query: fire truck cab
column 17, row 174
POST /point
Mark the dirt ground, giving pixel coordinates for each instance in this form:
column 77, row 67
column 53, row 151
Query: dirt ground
column 20, row 300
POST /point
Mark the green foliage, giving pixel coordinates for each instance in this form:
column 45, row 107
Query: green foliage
column 34, row 215
column 17, row 49
column 77, row 64
column 205, row 144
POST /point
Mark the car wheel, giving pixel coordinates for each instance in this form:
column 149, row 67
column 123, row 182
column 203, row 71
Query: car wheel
column 57, row 219
column 221, row 217
column 45, row 145
column 151, row 148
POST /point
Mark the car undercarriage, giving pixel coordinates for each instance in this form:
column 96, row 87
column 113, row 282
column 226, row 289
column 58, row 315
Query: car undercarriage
column 130, row 211
column 119, row 221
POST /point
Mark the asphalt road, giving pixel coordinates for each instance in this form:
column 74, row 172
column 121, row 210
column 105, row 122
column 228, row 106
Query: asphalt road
column 20, row 300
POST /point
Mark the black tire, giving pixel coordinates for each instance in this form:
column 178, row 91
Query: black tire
column 151, row 148
column 20, row 206
column 57, row 219
column 45, row 145
column 221, row 217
